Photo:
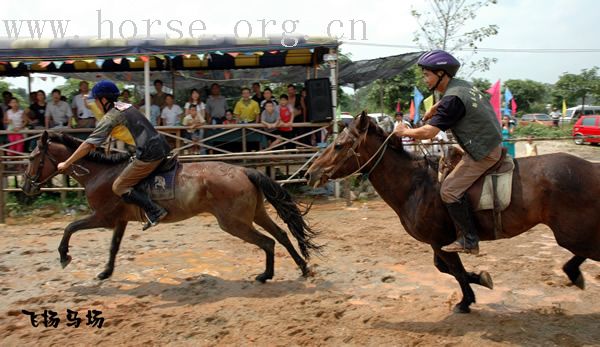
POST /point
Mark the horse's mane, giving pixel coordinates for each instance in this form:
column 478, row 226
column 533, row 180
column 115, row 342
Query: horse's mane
column 97, row 156
column 395, row 143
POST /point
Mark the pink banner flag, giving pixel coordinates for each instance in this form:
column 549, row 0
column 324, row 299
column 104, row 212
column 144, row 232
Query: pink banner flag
column 398, row 106
column 412, row 109
column 495, row 100
column 513, row 106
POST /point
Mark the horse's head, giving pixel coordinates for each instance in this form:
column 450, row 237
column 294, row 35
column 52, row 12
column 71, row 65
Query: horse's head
column 345, row 155
column 41, row 167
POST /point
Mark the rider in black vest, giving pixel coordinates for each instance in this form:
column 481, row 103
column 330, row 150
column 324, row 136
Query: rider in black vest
column 151, row 148
column 469, row 115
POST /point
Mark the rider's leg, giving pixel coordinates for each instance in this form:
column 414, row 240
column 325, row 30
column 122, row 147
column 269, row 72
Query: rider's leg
column 453, row 191
column 124, row 185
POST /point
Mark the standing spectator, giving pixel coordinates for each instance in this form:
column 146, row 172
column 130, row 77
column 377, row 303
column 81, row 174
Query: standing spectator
column 246, row 110
column 158, row 98
column 258, row 96
column 171, row 113
column 195, row 102
column 126, row 96
column 295, row 102
column 14, row 120
column 57, row 112
column 555, row 117
column 286, row 119
column 267, row 96
column 36, row 112
column 6, row 96
column 216, row 104
column 530, row 147
column 506, row 134
column 32, row 97
column 229, row 119
column 270, row 118
column 194, row 122
column 83, row 115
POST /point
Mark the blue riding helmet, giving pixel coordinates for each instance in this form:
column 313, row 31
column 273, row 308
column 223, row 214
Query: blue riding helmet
column 439, row 60
column 105, row 89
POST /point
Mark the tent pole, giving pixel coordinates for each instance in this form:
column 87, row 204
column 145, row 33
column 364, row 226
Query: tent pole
column 28, row 83
column 147, row 88
column 334, row 81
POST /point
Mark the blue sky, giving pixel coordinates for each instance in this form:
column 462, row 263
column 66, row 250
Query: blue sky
column 523, row 24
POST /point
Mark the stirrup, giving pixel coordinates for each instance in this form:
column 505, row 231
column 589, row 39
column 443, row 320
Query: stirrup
column 456, row 246
column 150, row 224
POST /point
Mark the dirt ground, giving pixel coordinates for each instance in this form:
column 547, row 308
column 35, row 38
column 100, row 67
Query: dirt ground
column 192, row 284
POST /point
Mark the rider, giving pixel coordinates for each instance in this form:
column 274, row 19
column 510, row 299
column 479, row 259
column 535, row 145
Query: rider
column 151, row 148
column 473, row 122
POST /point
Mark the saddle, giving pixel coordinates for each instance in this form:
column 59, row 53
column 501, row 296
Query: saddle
column 492, row 191
column 160, row 184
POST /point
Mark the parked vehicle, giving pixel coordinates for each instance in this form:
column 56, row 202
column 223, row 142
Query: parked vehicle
column 539, row 118
column 587, row 126
column 573, row 113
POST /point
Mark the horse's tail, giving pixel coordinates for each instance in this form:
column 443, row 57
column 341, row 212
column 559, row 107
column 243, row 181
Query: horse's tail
column 287, row 209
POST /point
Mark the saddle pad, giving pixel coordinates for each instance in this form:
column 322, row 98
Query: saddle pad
column 161, row 185
column 503, row 189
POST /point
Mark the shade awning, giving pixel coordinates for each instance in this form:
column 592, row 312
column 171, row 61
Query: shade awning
column 20, row 57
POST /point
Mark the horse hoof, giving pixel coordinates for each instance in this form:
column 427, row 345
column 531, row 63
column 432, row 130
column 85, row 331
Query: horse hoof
column 262, row 278
column 486, row 280
column 459, row 308
column 104, row 275
column 66, row 262
column 579, row 282
column 307, row 272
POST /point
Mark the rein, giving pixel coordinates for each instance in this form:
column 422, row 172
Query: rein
column 44, row 153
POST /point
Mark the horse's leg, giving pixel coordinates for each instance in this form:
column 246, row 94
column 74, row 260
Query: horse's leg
column 247, row 233
column 456, row 268
column 262, row 218
column 571, row 268
column 114, row 249
column 483, row 278
column 89, row 222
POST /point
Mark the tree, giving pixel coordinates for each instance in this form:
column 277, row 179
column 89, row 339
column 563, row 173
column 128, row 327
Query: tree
column 445, row 25
column 399, row 88
column 576, row 88
column 529, row 95
column 482, row 84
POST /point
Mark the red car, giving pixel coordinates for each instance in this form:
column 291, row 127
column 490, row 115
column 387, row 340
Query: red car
column 587, row 126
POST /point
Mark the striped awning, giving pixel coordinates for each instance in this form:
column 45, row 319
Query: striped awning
column 20, row 57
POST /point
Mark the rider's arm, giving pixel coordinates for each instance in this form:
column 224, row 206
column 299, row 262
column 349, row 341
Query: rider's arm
column 423, row 133
column 79, row 153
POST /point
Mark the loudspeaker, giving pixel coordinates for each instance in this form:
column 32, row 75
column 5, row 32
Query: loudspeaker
column 318, row 103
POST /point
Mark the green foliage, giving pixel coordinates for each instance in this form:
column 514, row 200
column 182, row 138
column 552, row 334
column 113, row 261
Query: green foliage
column 445, row 25
column 538, row 130
column 20, row 205
column 577, row 88
column 481, row 84
column 529, row 95
column 399, row 88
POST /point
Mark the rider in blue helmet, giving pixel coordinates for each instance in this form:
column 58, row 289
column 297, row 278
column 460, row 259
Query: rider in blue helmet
column 469, row 115
column 151, row 148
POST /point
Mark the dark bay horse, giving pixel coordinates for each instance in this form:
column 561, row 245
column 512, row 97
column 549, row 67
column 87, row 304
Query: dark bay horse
column 559, row 190
column 234, row 195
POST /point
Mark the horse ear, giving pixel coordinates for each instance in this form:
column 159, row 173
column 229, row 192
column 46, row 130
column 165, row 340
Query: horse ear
column 44, row 138
column 362, row 121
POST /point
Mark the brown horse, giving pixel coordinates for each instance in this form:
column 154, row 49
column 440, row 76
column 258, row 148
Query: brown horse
column 234, row 195
column 559, row 190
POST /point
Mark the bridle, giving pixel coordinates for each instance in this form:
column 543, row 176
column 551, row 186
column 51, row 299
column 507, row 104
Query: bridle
column 33, row 180
column 352, row 152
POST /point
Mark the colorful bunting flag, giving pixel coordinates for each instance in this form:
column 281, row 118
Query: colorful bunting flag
column 494, row 91
column 418, row 98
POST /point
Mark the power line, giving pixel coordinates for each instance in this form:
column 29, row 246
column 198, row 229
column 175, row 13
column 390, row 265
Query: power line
column 483, row 49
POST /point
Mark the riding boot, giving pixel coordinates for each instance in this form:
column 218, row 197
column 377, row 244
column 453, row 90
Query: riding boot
column 467, row 239
column 154, row 212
